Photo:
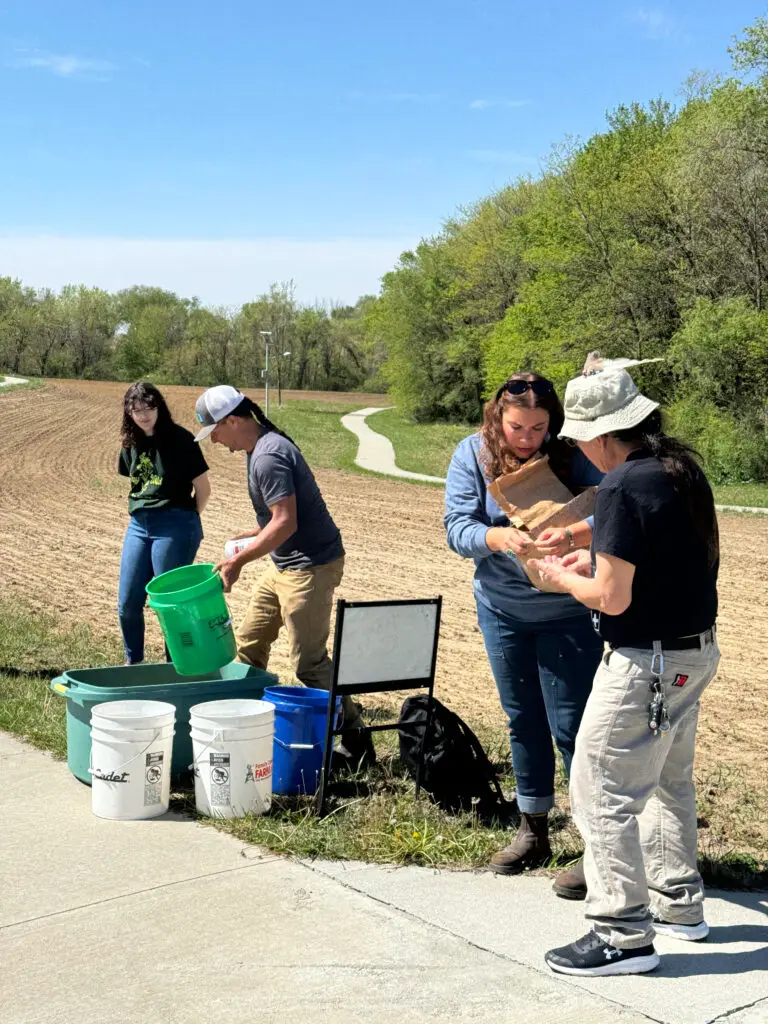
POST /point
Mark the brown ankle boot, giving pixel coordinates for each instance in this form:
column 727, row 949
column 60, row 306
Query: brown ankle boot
column 571, row 883
column 530, row 849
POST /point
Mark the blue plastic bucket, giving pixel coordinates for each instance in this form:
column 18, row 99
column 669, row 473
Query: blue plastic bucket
column 301, row 716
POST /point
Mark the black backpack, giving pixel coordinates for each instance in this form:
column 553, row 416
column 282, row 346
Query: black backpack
column 456, row 773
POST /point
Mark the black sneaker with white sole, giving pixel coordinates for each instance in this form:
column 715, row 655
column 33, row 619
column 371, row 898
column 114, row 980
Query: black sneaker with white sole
column 686, row 932
column 591, row 957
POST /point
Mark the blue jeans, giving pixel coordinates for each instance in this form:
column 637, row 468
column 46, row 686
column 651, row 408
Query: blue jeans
column 544, row 673
column 156, row 541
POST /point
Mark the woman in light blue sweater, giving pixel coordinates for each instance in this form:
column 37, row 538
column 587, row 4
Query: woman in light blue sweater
column 541, row 646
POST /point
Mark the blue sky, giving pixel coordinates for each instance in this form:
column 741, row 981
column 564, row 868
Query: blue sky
column 213, row 148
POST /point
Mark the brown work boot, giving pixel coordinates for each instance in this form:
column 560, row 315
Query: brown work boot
column 571, row 883
column 530, row 849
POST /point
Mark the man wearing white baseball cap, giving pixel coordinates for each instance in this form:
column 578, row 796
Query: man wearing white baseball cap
column 651, row 582
column 296, row 530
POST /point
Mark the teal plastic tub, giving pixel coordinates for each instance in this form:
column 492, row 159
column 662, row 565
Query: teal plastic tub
column 88, row 686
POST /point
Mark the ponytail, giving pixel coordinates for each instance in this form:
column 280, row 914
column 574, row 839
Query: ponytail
column 679, row 460
column 250, row 410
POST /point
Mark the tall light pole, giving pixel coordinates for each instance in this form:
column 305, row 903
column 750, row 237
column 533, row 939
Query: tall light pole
column 279, row 391
column 268, row 339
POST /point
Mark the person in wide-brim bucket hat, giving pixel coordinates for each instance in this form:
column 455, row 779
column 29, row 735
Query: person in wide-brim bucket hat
column 651, row 583
column 604, row 399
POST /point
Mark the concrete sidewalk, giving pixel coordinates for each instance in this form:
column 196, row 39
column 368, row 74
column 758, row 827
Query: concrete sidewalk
column 171, row 921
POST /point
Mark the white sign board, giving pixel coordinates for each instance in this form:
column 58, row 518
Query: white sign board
column 386, row 643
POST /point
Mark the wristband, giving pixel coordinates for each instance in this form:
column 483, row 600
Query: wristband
column 571, row 541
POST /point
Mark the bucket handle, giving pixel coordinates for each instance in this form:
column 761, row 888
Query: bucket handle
column 135, row 757
column 217, row 737
column 60, row 685
column 296, row 746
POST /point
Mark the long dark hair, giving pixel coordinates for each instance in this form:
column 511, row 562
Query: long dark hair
column 495, row 457
column 681, row 462
column 143, row 393
column 248, row 409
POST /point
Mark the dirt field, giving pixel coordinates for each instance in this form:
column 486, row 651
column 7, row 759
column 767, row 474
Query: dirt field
column 63, row 514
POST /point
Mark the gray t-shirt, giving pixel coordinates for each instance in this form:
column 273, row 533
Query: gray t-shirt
column 276, row 470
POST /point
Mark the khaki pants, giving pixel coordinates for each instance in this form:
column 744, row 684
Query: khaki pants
column 633, row 797
column 302, row 601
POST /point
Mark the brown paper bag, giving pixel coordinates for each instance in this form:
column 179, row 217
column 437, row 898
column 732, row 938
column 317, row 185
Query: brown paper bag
column 534, row 500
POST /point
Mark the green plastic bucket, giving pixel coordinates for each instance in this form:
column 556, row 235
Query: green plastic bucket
column 86, row 687
column 194, row 618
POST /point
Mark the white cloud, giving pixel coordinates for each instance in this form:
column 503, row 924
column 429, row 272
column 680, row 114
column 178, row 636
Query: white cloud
column 62, row 65
column 508, row 104
column 500, row 156
column 655, row 22
column 220, row 272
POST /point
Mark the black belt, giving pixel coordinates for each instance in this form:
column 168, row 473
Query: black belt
column 681, row 643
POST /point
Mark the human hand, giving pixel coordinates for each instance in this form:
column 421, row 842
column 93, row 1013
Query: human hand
column 229, row 572
column 554, row 541
column 508, row 538
column 551, row 571
column 579, row 562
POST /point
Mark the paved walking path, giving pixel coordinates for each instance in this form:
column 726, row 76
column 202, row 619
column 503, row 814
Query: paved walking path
column 376, row 453
column 172, row 922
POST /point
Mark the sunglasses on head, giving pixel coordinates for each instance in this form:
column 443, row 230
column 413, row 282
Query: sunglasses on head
column 519, row 387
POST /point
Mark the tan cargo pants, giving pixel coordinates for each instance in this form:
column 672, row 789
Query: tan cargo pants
column 633, row 798
column 302, row 601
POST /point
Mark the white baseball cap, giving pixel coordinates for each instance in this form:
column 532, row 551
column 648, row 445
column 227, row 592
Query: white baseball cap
column 214, row 405
column 604, row 399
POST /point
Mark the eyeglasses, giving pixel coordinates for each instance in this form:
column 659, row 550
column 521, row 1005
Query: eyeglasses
column 539, row 387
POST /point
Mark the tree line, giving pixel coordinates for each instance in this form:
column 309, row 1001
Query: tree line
column 649, row 239
column 146, row 332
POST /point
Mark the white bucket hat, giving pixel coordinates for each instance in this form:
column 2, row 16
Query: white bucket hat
column 604, row 399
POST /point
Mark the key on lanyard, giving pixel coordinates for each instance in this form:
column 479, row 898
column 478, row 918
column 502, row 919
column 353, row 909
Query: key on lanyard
column 658, row 711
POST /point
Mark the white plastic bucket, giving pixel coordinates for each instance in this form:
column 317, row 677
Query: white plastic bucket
column 131, row 747
column 232, row 745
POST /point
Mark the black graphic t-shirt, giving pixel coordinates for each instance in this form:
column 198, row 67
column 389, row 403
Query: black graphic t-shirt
column 161, row 473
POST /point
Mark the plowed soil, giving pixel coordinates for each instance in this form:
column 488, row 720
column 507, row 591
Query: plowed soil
column 63, row 515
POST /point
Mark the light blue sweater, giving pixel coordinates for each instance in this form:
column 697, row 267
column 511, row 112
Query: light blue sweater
column 500, row 582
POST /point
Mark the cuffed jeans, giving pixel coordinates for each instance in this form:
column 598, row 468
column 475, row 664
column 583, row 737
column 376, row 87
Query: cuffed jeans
column 633, row 796
column 543, row 672
column 156, row 541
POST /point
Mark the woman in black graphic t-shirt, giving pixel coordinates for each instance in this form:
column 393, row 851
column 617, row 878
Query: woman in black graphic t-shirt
column 169, row 489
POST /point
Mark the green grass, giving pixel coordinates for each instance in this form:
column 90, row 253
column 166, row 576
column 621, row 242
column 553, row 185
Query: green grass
column 752, row 495
column 316, row 428
column 33, row 649
column 420, row 448
column 374, row 815
column 31, row 384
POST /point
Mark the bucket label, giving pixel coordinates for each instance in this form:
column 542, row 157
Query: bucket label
column 220, row 626
column 111, row 776
column 257, row 772
column 220, row 784
column 153, row 779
